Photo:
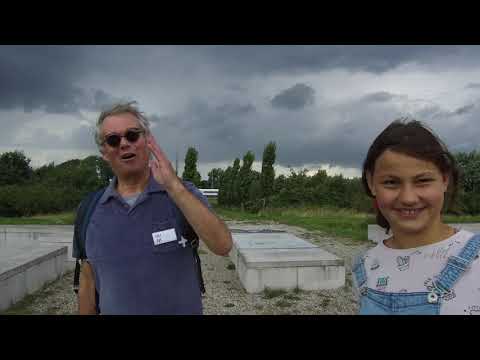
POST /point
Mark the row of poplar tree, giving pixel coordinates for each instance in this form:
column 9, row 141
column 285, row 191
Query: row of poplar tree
column 241, row 186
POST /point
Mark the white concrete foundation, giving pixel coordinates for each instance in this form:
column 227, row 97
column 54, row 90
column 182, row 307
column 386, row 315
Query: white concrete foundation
column 284, row 261
column 25, row 269
column 41, row 235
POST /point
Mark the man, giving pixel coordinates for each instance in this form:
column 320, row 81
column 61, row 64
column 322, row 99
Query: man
column 138, row 257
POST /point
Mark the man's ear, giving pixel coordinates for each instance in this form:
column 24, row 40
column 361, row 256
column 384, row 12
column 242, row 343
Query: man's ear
column 370, row 183
column 103, row 155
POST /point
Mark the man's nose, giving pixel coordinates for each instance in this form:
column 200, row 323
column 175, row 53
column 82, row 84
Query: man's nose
column 124, row 142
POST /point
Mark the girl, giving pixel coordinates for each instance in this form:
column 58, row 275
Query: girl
column 426, row 266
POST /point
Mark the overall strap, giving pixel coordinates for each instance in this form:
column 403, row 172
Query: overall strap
column 456, row 265
column 358, row 269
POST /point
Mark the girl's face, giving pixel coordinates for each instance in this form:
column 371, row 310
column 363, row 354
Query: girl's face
column 409, row 191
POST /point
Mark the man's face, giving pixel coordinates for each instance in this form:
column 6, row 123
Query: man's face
column 128, row 158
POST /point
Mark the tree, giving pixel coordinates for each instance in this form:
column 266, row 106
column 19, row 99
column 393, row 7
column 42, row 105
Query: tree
column 255, row 201
column 214, row 178
column 104, row 171
column 204, row 184
column 469, row 189
column 233, row 185
column 267, row 178
column 190, row 172
column 14, row 168
column 469, row 164
column 223, row 187
column 245, row 177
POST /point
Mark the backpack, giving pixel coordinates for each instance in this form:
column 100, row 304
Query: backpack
column 84, row 213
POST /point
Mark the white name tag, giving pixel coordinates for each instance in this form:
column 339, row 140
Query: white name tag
column 162, row 237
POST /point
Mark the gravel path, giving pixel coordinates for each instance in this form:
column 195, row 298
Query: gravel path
column 224, row 292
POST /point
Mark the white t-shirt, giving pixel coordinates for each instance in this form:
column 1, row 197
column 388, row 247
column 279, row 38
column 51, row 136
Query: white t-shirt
column 412, row 270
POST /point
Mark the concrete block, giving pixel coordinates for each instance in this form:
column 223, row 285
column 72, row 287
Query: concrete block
column 251, row 280
column 16, row 287
column 5, row 298
column 279, row 278
column 265, row 240
column 34, row 278
column 321, row 277
column 308, row 269
column 280, row 258
column 25, row 270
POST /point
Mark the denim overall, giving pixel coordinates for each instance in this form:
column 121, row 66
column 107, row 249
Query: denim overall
column 374, row 302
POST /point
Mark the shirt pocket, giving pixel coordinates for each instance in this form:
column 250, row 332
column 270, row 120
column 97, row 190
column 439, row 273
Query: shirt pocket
column 165, row 236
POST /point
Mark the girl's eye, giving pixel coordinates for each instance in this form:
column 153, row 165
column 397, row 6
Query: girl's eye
column 389, row 182
column 425, row 180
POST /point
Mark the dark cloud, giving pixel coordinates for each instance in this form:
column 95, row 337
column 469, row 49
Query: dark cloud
column 473, row 86
column 102, row 100
column 437, row 112
column 380, row 96
column 263, row 59
column 294, row 98
column 464, row 109
column 341, row 136
column 44, row 78
column 33, row 77
column 47, row 77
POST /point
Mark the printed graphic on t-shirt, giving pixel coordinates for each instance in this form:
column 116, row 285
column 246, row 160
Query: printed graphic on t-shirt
column 403, row 262
column 375, row 265
column 473, row 310
column 382, row 283
column 438, row 253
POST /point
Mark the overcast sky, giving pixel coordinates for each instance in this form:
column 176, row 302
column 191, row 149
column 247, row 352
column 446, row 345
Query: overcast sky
column 323, row 105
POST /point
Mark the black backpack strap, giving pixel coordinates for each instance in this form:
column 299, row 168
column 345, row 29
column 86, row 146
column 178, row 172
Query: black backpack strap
column 194, row 242
column 84, row 213
column 195, row 245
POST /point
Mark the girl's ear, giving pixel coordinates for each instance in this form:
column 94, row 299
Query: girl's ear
column 370, row 183
column 446, row 181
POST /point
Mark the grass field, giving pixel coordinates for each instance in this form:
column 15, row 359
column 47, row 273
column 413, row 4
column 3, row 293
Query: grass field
column 341, row 223
column 66, row 218
column 334, row 222
column 331, row 222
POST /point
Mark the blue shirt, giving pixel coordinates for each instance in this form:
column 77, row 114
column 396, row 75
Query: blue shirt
column 133, row 274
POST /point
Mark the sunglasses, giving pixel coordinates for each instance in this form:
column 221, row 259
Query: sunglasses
column 131, row 135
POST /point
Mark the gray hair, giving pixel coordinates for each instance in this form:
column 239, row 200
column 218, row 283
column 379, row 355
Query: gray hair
column 121, row 108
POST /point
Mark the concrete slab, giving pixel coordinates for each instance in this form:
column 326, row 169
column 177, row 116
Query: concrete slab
column 321, row 277
column 25, row 269
column 16, row 236
column 279, row 260
column 266, row 240
column 377, row 233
